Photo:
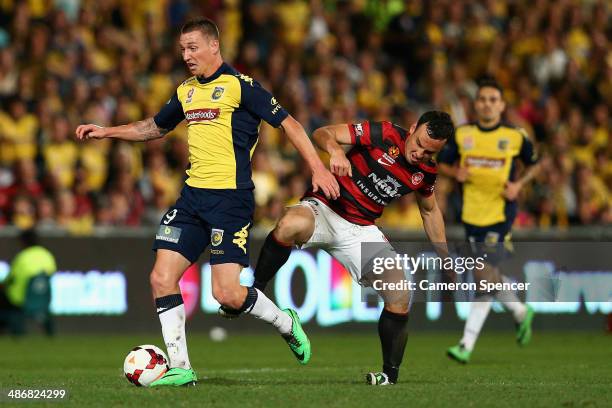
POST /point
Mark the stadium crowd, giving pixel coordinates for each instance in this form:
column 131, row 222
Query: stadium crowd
column 63, row 63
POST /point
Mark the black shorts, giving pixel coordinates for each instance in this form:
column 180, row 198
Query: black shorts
column 492, row 240
column 202, row 216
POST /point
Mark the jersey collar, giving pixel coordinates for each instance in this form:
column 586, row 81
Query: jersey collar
column 222, row 69
column 488, row 129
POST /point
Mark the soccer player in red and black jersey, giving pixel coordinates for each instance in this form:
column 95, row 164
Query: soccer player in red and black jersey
column 384, row 162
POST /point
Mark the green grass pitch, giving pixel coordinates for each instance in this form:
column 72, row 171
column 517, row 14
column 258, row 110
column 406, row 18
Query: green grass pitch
column 556, row 369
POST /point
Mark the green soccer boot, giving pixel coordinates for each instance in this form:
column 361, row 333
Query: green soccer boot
column 297, row 340
column 176, row 377
column 459, row 353
column 523, row 329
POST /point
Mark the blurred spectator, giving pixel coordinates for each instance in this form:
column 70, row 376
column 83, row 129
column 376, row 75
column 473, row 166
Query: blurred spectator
column 403, row 214
column 63, row 63
column 61, row 154
column 18, row 130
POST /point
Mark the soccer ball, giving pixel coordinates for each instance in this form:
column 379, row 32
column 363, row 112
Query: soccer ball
column 144, row 365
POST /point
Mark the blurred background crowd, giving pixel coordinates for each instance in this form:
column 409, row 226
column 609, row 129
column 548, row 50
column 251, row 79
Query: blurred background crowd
column 109, row 62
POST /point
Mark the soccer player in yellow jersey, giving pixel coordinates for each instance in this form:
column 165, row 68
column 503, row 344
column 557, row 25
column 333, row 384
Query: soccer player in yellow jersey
column 223, row 109
column 482, row 157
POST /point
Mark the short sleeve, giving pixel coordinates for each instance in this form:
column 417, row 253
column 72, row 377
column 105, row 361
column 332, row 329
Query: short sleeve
column 429, row 182
column 170, row 115
column 261, row 103
column 360, row 133
column 367, row 134
column 527, row 154
column 450, row 152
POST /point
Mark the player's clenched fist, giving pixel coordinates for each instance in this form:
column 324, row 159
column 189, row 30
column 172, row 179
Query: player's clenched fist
column 340, row 165
column 90, row 131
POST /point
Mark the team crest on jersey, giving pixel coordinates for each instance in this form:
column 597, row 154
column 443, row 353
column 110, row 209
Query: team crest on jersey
column 217, row 93
column 502, row 144
column 394, row 151
column 417, row 178
column 216, row 237
column 189, row 95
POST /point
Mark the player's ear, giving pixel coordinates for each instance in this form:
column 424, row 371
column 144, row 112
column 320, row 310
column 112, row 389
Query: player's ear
column 412, row 129
column 214, row 45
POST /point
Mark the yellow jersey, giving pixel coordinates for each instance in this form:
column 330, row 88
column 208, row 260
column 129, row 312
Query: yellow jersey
column 223, row 114
column 490, row 155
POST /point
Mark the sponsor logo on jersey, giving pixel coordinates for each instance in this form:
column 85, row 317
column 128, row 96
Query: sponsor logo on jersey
column 386, row 160
column 189, row 95
column 246, row 78
column 358, row 129
column 241, row 236
column 217, row 93
column 216, row 237
column 200, row 115
column 387, row 187
column 394, row 151
column 485, row 162
column 276, row 105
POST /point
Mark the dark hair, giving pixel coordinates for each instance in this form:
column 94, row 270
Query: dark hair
column 439, row 124
column 205, row 25
column 488, row 82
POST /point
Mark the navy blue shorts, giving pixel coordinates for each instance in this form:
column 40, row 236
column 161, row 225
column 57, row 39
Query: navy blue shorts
column 493, row 240
column 220, row 218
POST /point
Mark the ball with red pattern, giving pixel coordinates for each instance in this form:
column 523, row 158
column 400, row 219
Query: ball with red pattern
column 145, row 364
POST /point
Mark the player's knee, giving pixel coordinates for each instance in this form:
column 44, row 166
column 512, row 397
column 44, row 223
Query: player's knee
column 294, row 227
column 285, row 231
column 397, row 308
column 161, row 281
column 229, row 297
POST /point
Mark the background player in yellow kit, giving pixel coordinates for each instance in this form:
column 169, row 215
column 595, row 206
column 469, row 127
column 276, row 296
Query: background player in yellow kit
column 484, row 156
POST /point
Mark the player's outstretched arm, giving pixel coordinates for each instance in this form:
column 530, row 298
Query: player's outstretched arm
column 321, row 177
column 433, row 222
column 140, row 131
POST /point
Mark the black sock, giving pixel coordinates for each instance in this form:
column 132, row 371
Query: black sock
column 273, row 255
column 392, row 329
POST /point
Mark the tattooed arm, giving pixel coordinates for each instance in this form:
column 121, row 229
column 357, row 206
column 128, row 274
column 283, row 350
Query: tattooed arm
column 140, row 131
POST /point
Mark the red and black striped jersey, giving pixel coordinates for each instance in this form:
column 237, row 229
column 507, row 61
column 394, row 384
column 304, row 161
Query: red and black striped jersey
column 380, row 173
